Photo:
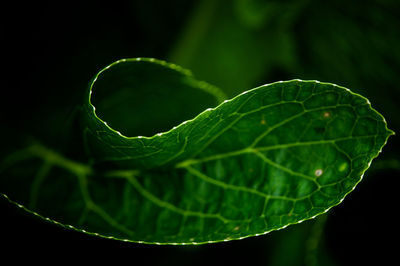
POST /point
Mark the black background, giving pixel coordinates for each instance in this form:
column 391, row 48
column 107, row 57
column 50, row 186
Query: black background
column 52, row 50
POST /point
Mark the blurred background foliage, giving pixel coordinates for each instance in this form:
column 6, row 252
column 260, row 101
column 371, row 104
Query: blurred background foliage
column 53, row 49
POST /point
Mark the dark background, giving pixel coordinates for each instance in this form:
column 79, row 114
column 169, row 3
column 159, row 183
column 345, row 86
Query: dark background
column 51, row 50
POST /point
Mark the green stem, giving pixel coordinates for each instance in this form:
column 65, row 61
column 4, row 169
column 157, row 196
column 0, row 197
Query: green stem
column 314, row 240
column 193, row 33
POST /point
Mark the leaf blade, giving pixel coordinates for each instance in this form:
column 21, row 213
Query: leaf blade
column 273, row 156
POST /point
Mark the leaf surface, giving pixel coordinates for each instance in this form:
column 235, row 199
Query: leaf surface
column 273, row 156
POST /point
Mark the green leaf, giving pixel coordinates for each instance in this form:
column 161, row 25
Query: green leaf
column 272, row 156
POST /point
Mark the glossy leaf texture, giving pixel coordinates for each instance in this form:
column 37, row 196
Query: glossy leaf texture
column 270, row 157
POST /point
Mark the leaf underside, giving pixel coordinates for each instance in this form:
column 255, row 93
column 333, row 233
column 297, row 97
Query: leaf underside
column 270, row 157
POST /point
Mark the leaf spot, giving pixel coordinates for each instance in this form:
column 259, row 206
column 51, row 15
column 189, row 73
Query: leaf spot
column 327, row 114
column 318, row 172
